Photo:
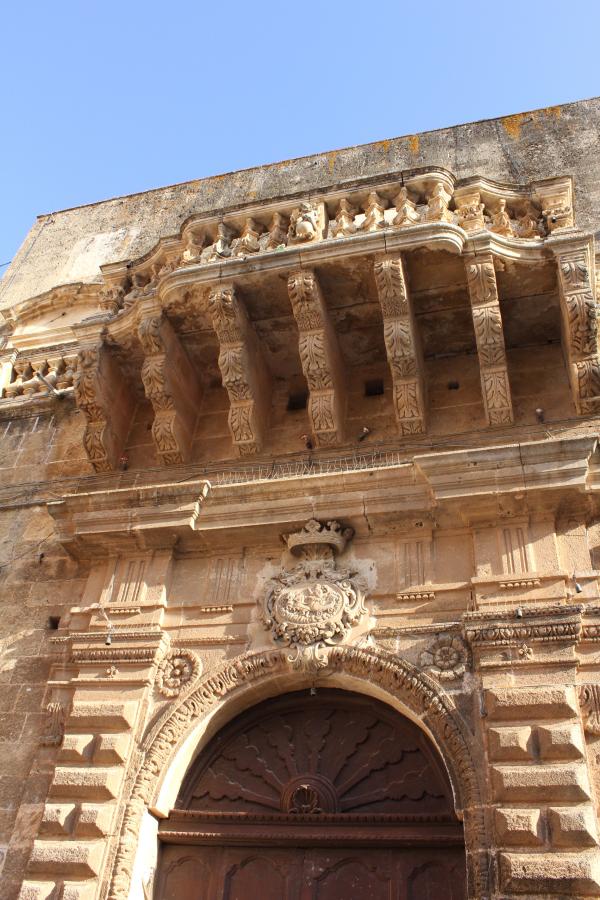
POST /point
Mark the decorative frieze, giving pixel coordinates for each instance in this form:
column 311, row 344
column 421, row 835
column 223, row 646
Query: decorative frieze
column 487, row 321
column 105, row 399
column 580, row 325
column 243, row 370
column 320, row 358
column 402, row 346
column 172, row 386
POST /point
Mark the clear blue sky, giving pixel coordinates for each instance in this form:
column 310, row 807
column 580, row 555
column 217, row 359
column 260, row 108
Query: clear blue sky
column 107, row 98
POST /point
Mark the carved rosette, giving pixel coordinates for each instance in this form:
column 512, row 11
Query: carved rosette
column 313, row 605
column 446, row 658
column 320, row 358
column 401, row 345
column 242, row 369
column 580, row 324
column 487, row 321
column 177, row 672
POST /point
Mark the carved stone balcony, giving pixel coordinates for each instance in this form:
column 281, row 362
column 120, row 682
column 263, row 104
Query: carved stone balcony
column 399, row 291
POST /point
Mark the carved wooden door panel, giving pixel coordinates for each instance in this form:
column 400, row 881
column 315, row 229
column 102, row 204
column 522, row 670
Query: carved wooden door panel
column 326, row 797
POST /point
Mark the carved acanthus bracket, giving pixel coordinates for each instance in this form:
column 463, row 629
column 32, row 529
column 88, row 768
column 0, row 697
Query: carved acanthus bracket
column 172, row 386
column 320, row 358
column 402, row 347
column 315, row 604
column 580, row 324
column 103, row 395
column 243, row 370
column 487, row 321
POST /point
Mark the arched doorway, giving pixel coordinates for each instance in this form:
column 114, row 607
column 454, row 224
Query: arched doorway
column 314, row 796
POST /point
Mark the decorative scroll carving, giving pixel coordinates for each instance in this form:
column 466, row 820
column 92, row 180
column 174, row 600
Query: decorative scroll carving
column 557, row 204
column 277, row 234
column 580, row 323
column 242, row 369
column 343, row 224
column 446, row 658
column 487, row 321
column 103, row 396
column 589, row 701
column 374, row 213
column 401, row 345
column 313, row 605
column 173, row 388
column 55, row 725
column 406, row 210
column 437, row 204
column 320, row 358
column 178, row 671
column 111, row 298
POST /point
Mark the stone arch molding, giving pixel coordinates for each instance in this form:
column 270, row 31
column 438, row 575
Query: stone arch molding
column 393, row 680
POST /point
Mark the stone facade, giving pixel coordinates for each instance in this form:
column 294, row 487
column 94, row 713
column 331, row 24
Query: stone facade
column 328, row 423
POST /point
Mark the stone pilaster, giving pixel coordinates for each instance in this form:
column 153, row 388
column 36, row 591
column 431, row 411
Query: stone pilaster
column 401, row 344
column 243, row 370
column 320, row 357
column 487, row 321
column 173, row 387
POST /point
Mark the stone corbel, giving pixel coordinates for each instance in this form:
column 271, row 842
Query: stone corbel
column 243, row 370
column 103, row 395
column 402, row 346
column 487, row 321
column 575, row 260
column 172, row 385
column 320, row 357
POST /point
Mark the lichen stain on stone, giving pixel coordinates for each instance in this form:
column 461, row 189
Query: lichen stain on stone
column 331, row 160
column 513, row 124
column 413, row 143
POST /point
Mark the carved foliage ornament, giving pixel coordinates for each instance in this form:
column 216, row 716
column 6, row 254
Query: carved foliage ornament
column 178, row 670
column 446, row 658
column 313, row 605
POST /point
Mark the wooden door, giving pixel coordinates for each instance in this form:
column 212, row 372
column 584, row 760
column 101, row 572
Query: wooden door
column 326, row 797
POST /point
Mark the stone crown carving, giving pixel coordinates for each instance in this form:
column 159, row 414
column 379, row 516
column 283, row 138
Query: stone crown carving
column 314, row 534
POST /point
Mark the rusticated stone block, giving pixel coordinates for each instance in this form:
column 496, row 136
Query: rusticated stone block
column 573, row 826
column 551, row 873
column 563, row 741
column 101, row 716
column 529, row 703
column 76, row 748
column 510, row 743
column 86, row 784
column 58, row 818
column 81, row 860
column 519, row 827
column 94, row 821
column 37, row 890
column 111, row 748
column 540, row 783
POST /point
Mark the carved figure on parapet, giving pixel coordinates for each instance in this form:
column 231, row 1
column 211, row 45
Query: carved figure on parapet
column 470, row 212
column 528, row 224
column 110, row 299
column 304, row 224
column 406, row 210
column 501, row 221
column 313, row 605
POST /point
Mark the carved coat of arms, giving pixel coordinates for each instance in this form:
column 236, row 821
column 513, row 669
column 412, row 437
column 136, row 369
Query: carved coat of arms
column 314, row 604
